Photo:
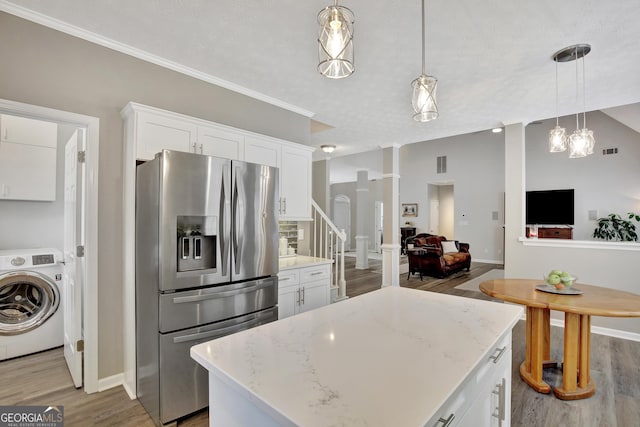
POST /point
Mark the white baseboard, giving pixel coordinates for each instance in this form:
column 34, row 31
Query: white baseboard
column 130, row 392
column 486, row 261
column 111, row 382
column 600, row 330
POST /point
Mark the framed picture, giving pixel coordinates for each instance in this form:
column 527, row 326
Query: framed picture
column 409, row 209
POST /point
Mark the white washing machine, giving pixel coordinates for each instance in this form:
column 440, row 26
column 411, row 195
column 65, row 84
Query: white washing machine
column 31, row 316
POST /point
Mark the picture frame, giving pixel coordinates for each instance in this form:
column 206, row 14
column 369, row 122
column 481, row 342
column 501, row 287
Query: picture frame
column 409, row 209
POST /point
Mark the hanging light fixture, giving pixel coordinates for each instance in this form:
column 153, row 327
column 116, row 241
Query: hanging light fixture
column 335, row 41
column 557, row 135
column 424, row 89
column 581, row 141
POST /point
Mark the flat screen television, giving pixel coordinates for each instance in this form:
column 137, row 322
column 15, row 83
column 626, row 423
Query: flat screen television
column 550, row 207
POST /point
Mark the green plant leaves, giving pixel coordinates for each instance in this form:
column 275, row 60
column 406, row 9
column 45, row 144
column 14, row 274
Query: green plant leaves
column 613, row 227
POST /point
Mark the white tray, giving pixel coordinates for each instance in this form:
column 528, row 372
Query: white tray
column 566, row 291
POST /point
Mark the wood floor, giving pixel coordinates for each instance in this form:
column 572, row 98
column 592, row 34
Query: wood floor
column 43, row 379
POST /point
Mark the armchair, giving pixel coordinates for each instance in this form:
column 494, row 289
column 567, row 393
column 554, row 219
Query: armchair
column 431, row 257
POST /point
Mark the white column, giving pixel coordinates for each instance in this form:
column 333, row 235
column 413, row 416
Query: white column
column 391, row 225
column 362, row 220
column 514, row 187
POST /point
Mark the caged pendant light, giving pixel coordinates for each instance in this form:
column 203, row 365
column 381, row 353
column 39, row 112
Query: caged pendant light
column 581, row 141
column 335, row 41
column 424, row 89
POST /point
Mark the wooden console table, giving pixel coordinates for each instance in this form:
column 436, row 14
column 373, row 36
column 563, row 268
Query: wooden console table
column 578, row 309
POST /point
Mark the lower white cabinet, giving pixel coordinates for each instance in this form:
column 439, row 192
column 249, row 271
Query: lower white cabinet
column 303, row 289
column 484, row 400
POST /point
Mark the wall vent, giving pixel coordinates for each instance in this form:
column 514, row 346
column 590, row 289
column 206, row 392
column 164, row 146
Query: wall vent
column 442, row 164
column 607, row 151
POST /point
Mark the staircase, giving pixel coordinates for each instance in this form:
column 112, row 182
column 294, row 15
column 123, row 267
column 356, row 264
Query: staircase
column 328, row 242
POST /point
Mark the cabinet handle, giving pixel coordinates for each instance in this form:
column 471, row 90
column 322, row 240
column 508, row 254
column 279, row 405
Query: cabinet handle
column 201, row 149
column 303, row 295
column 500, row 409
column 284, row 279
column 316, row 273
column 298, row 302
column 445, row 422
column 497, row 357
column 284, row 199
column 194, row 147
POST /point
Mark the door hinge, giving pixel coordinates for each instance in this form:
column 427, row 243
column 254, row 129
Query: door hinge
column 80, row 346
column 82, row 155
column 80, row 251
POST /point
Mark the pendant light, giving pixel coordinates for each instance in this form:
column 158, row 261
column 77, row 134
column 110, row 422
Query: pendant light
column 557, row 135
column 581, row 141
column 335, row 41
column 424, row 89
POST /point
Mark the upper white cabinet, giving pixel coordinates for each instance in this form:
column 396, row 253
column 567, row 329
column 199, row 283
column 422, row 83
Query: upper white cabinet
column 149, row 130
column 27, row 158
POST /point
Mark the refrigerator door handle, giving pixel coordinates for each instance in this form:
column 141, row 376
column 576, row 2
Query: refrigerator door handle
column 224, row 232
column 216, row 332
column 222, row 294
column 238, row 212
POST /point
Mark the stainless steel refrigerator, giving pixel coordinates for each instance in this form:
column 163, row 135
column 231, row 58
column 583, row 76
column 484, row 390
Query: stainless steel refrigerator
column 206, row 266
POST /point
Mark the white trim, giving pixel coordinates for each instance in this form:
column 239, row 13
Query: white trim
column 582, row 244
column 130, row 392
column 90, row 294
column 111, row 382
column 391, row 175
column 600, row 330
column 487, row 261
column 98, row 39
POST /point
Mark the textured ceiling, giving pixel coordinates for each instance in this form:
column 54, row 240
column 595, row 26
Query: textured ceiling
column 492, row 58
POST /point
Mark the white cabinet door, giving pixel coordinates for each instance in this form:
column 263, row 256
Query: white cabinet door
column 27, row 159
column 295, row 183
column 220, row 143
column 288, row 301
column 21, row 130
column 262, row 151
column 156, row 133
column 313, row 295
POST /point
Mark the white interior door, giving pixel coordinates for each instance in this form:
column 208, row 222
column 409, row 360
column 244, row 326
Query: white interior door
column 434, row 216
column 74, row 265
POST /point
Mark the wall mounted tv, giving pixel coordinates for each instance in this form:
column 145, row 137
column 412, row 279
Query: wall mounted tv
column 550, row 207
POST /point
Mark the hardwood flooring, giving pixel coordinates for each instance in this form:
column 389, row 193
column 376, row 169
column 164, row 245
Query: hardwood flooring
column 43, row 379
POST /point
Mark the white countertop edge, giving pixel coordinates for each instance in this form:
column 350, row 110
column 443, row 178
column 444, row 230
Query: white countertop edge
column 583, row 244
column 300, row 261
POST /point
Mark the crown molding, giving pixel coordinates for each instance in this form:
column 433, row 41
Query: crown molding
column 56, row 24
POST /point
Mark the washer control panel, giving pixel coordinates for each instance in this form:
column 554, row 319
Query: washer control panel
column 42, row 259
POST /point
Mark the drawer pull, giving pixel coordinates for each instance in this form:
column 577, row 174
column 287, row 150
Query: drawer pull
column 445, row 422
column 316, row 273
column 500, row 409
column 497, row 357
column 284, row 279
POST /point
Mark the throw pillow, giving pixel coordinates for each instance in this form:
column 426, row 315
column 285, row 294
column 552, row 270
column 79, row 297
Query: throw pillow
column 449, row 246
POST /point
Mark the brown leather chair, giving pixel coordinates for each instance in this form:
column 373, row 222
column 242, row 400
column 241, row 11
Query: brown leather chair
column 428, row 258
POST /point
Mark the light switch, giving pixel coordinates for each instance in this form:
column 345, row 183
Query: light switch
column 593, row 215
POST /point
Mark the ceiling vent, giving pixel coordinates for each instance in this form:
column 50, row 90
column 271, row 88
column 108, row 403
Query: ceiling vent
column 608, row 151
column 442, row 164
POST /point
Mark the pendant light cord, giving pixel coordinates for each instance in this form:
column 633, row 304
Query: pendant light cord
column 577, row 97
column 423, row 37
column 557, row 112
column 584, row 93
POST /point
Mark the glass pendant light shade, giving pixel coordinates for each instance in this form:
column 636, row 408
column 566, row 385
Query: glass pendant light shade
column 424, row 98
column 557, row 140
column 335, row 42
column 579, row 143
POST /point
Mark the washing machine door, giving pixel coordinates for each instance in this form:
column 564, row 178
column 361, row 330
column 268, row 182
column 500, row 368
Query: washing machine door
column 27, row 300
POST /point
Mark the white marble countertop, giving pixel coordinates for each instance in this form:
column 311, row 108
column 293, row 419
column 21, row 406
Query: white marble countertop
column 388, row 357
column 298, row 261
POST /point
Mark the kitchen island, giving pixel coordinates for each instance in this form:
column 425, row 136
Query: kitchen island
column 395, row 356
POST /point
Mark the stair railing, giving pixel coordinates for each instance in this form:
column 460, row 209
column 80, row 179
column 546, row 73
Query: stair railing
column 328, row 242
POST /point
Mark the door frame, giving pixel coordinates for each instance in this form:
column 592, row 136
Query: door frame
column 90, row 294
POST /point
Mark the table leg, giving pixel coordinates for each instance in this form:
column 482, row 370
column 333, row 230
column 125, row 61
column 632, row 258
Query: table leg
column 576, row 379
column 537, row 348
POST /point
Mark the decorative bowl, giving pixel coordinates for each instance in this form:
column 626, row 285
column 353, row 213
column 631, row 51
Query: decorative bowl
column 565, row 282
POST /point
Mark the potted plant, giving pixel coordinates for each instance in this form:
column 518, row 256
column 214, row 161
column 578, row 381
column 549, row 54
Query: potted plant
column 613, row 227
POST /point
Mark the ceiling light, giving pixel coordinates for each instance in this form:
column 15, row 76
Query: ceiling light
column 496, row 130
column 557, row 135
column 424, row 89
column 328, row 148
column 581, row 142
column 335, row 41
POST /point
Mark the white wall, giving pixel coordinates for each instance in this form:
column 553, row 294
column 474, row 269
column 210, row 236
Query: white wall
column 447, row 211
column 475, row 166
column 36, row 224
column 608, row 184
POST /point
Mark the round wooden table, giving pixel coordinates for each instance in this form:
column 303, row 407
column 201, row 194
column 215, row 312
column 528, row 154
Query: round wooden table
column 578, row 309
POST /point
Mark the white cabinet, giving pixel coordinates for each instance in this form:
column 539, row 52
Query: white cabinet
column 303, row 289
column 27, row 158
column 156, row 133
column 484, row 400
column 295, row 174
column 220, row 143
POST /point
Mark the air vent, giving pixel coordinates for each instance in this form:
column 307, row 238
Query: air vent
column 442, row 164
column 607, row 151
